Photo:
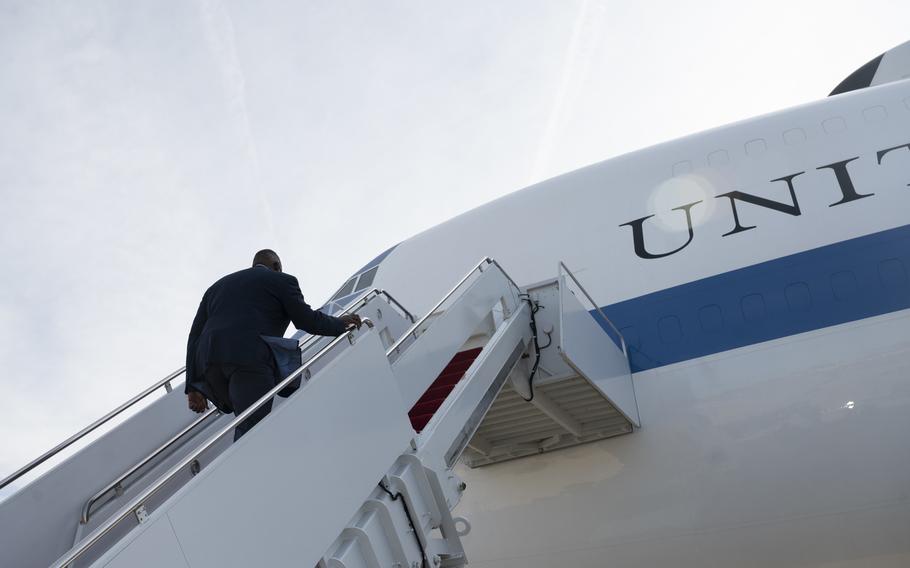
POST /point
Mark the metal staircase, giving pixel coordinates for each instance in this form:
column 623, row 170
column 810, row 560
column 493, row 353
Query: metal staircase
column 356, row 467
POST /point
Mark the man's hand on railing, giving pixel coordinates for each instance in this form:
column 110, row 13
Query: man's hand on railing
column 197, row 402
column 351, row 320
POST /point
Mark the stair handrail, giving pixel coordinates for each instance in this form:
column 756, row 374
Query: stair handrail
column 396, row 303
column 79, row 549
column 622, row 339
column 359, row 303
column 87, row 508
column 165, row 382
column 416, row 326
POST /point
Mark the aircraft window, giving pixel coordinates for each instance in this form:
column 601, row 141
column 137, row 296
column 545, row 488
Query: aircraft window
column 894, row 274
column 755, row 147
column 794, row 136
column 843, row 284
column 798, row 297
column 718, row 158
column 834, row 125
column 907, row 102
column 366, row 279
column 670, row 329
column 711, row 318
column 875, row 114
column 633, row 340
column 753, row 307
column 346, row 289
column 683, row 167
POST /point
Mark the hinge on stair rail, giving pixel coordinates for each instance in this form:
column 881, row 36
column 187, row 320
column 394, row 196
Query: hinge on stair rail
column 142, row 514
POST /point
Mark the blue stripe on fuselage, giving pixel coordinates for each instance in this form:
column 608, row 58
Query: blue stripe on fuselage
column 830, row 285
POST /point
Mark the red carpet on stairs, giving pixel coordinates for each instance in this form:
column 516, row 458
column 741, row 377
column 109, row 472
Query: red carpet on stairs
column 429, row 403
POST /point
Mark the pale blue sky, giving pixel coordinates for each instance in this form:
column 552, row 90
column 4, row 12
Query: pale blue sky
column 147, row 148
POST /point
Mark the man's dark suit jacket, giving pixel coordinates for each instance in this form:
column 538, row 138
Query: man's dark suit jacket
column 234, row 315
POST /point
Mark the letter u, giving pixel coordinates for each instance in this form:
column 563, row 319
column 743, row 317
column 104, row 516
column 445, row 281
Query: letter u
column 638, row 236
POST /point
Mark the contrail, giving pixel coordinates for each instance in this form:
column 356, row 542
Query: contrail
column 575, row 68
column 219, row 36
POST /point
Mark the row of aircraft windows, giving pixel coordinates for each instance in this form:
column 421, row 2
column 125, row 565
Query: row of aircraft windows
column 791, row 137
column 844, row 287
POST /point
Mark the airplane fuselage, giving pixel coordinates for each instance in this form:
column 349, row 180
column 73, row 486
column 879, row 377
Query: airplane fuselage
column 759, row 273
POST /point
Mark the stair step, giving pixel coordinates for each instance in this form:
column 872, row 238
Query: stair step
column 419, row 421
column 424, row 409
column 436, row 392
column 468, row 354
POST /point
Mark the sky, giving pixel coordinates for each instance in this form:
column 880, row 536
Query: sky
column 148, row 148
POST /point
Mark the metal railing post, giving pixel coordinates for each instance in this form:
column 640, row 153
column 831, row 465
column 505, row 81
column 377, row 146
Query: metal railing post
column 622, row 339
column 416, row 327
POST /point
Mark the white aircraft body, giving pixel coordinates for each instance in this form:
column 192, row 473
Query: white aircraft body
column 767, row 312
column 759, row 274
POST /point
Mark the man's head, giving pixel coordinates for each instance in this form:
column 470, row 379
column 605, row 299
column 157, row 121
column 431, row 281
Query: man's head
column 268, row 258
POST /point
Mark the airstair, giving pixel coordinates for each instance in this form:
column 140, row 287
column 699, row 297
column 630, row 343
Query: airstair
column 355, row 468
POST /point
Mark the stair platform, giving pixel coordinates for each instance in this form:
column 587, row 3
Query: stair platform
column 568, row 413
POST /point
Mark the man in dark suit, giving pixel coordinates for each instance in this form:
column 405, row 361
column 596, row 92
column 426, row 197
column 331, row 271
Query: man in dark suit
column 227, row 360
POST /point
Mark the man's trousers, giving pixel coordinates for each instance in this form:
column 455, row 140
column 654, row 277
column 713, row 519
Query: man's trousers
column 242, row 386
